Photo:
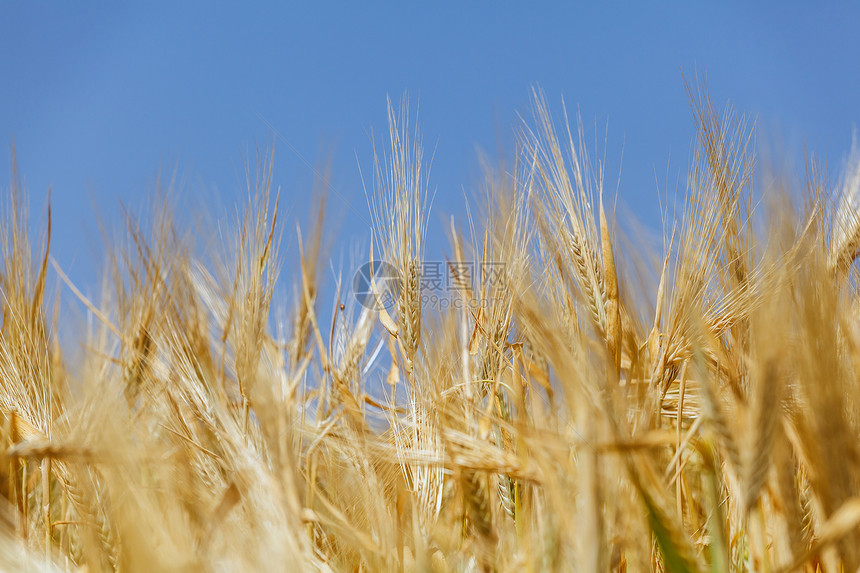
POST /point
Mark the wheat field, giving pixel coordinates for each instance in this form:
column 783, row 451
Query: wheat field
column 579, row 403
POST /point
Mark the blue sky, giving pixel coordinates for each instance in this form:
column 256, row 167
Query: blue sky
column 100, row 97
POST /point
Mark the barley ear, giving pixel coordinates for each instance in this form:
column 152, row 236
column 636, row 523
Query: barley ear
column 613, row 316
column 655, row 341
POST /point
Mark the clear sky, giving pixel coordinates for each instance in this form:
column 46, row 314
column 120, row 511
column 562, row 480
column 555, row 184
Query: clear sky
column 98, row 97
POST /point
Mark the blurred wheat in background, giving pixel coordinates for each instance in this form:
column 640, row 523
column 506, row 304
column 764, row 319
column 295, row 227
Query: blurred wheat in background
column 594, row 407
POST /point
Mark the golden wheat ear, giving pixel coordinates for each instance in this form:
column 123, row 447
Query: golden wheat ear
column 400, row 220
